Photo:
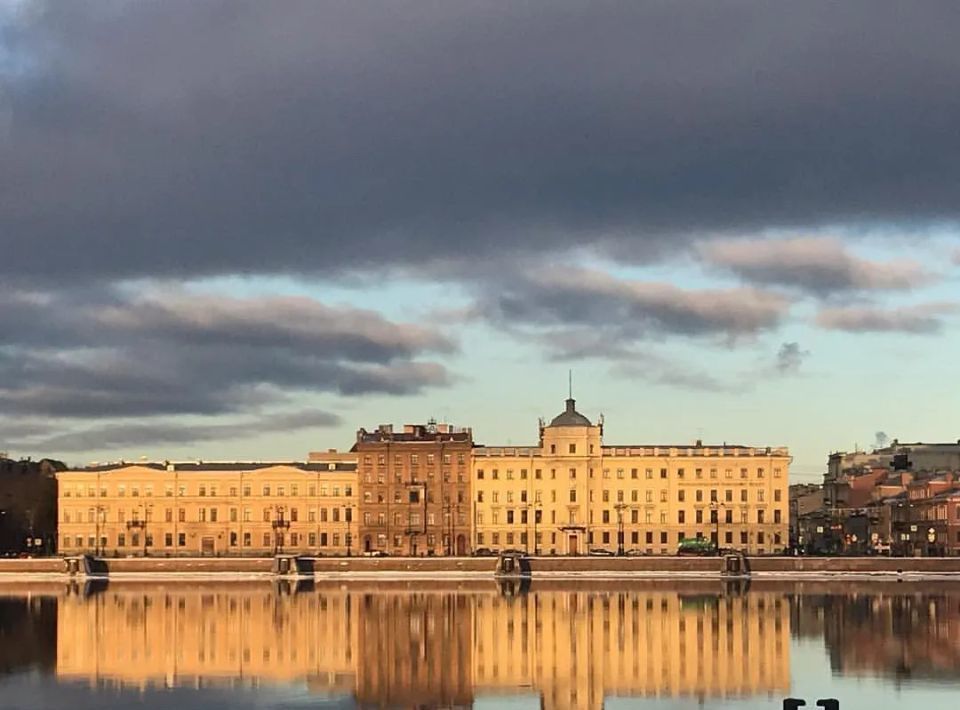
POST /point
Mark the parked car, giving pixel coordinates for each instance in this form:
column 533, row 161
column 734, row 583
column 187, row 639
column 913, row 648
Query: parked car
column 600, row 552
column 635, row 553
column 376, row 553
column 484, row 552
column 514, row 551
column 696, row 546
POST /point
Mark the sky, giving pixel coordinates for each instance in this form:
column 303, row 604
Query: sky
column 242, row 230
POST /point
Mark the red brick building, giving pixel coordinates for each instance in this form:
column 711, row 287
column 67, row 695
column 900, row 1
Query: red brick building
column 414, row 489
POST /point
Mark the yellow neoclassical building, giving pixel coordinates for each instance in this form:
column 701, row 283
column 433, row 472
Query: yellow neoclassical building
column 197, row 508
column 573, row 493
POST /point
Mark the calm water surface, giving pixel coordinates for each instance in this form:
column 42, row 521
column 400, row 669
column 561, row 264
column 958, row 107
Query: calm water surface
column 550, row 645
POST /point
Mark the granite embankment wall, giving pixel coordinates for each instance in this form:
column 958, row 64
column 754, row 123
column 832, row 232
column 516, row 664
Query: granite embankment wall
column 549, row 566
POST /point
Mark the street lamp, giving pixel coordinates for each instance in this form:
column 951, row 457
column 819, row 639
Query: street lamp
column 536, row 520
column 348, row 512
column 279, row 525
column 138, row 524
column 715, row 510
column 620, row 507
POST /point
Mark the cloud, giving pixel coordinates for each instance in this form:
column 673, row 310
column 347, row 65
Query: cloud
column 173, row 352
column 669, row 372
column 790, row 357
column 922, row 319
column 575, row 297
column 343, row 136
column 156, row 433
column 818, row 265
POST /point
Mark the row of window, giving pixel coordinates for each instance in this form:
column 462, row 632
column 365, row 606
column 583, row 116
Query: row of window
column 269, row 539
column 634, row 496
column 413, row 496
column 413, row 459
column 400, row 479
column 203, row 490
column 211, row 515
column 413, row 519
column 511, row 517
column 633, row 538
column 698, row 473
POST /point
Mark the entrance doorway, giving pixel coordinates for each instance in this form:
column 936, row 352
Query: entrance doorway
column 461, row 545
column 366, row 543
column 207, row 546
column 574, row 547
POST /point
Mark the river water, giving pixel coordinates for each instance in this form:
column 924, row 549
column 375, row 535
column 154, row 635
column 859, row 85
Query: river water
column 553, row 645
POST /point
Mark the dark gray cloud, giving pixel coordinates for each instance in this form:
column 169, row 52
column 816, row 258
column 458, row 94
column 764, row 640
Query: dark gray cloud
column 922, row 319
column 790, row 357
column 176, row 137
column 555, row 299
column 174, row 352
column 167, row 432
column 818, row 265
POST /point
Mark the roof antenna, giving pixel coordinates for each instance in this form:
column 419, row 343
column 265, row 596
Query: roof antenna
column 570, row 379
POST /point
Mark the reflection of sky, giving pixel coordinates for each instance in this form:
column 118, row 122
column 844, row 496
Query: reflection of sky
column 36, row 692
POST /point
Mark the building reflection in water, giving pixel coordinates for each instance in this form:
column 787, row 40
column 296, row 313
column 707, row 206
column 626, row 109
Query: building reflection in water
column 902, row 636
column 405, row 648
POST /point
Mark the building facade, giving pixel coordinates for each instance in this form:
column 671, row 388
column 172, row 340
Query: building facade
column 572, row 493
column 208, row 509
column 414, row 489
column 429, row 490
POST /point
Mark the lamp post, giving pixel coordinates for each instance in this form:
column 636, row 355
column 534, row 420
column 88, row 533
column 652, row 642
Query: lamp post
column 536, row 520
column 715, row 507
column 348, row 512
column 279, row 525
column 620, row 507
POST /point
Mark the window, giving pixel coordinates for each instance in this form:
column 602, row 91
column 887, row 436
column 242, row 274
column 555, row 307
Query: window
column 509, row 517
column 573, row 448
column 743, row 473
column 266, row 490
column 213, row 515
column 776, row 473
column 699, row 516
column 509, row 474
column 182, row 515
column 699, row 495
column 728, row 495
column 743, row 495
column 663, row 473
column 759, row 473
column 698, row 473
column 776, row 496
column 495, row 496
column 606, row 496
column 509, row 496
column 121, row 540
column 776, row 515
column 681, row 516
column 680, row 495
column 760, row 517
column 182, row 540
column 679, row 473
column 573, row 473
column 606, row 516
column 760, row 496
column 573, row 495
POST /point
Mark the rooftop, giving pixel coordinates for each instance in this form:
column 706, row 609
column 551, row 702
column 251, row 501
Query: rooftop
column 570, row 416
column 201, row 466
